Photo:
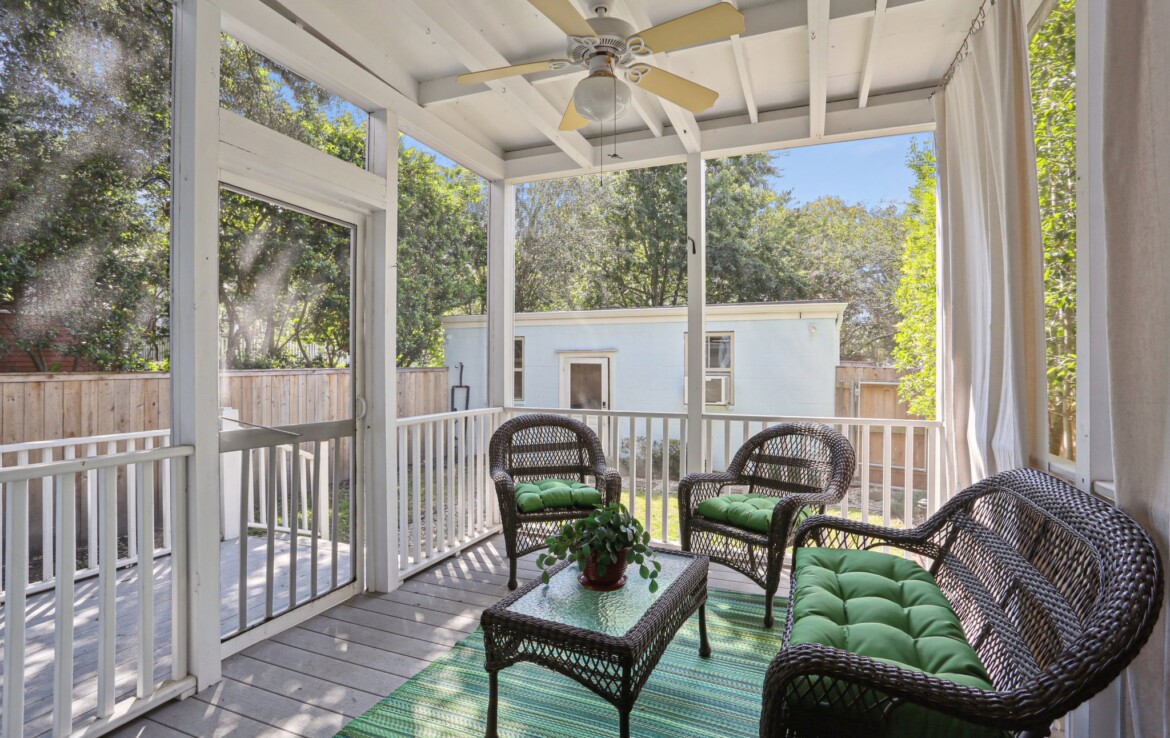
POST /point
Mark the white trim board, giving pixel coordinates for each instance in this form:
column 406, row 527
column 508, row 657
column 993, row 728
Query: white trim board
column 746, row 311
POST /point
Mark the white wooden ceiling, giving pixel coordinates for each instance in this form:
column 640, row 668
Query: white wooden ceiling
column 784, row 82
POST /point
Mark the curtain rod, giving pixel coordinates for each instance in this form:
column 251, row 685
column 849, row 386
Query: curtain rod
column 965, row 47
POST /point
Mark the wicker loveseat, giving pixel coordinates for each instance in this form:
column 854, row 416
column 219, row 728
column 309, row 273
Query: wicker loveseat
column 1053, row 592
column 541, row 447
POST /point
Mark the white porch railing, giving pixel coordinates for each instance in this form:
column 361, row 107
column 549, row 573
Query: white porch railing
column 446, row 501
column 100, row 480
column 43, row 490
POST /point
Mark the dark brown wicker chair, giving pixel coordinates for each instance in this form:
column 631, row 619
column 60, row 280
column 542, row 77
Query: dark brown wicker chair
column 1056, row 590
column 532, row 447
column 805, row 464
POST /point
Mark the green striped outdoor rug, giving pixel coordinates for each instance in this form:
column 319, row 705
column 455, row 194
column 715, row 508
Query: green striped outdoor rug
column 717, row 697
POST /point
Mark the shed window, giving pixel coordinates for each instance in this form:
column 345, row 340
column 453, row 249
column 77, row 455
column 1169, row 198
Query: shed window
column 719, row 368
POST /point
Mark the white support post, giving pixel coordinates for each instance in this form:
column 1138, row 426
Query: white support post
column 501, row 292
column 195, row 319
column 696, row 305
column 380, row 401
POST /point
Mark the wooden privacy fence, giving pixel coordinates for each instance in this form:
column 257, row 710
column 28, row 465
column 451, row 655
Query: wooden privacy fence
column 46, row 407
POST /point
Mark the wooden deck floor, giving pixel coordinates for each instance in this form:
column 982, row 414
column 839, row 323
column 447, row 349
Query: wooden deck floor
column 311, row 680
column 39, row 616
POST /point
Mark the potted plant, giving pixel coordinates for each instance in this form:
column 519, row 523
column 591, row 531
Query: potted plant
column 602, row 544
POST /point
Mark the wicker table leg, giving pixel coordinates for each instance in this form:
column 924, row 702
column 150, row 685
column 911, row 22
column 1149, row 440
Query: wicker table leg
column 704, row 646
column 625, row 723
column 493, row 697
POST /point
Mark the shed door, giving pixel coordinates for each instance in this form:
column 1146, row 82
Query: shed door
column 585, row 384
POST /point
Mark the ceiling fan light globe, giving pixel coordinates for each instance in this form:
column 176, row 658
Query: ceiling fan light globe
column 602, row 97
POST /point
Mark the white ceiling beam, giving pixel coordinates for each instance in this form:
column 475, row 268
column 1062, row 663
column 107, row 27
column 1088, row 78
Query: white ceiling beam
column 745, row 77
column 683, row 121
column 818, row 65
column 475, row 52
column 281, row 40
column 648, row 109
column 886, row 115
column 875, row 34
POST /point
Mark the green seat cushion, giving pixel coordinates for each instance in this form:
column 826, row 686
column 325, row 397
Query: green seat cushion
column 890, row 609
column 548, row 494
column 750, row 511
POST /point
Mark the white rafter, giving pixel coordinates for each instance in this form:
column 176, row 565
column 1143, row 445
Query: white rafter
column 745, row 77
column 685, row 125
column 818, row 65
column 875, row 32
column 475, row 52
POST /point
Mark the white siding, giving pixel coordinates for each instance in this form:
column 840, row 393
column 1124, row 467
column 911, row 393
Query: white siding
column 782, row 366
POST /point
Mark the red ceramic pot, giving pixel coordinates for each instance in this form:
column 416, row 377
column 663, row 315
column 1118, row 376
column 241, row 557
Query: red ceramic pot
column 614, row 577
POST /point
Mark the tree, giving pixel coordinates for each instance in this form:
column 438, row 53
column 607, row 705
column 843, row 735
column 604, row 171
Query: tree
column 442, row 252
column 1052, row 57
column 85, row 177
column 850, row 252
column 916, row 299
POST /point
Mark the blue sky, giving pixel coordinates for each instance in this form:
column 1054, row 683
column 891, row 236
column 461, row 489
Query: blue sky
column 871, row 171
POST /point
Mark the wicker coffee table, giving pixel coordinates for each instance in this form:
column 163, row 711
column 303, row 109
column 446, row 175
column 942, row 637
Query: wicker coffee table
column 608, row 641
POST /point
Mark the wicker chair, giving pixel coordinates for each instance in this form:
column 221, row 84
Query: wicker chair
column 532, row 447
column 1055, row 590
column 801, row 463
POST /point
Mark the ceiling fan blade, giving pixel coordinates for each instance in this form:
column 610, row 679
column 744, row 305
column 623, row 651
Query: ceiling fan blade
column 702, row 26
column 572, row 120
column 565, row 15
column 682, row 92
column 487, row 75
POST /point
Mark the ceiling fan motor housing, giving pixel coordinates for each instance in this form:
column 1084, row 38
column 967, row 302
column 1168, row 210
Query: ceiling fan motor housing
column 610, row 40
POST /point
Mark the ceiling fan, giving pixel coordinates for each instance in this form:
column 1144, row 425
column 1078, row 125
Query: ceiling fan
column 607, row 46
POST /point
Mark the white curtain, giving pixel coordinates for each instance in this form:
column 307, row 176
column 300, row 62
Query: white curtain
column 1136, row 172
column 990, row 302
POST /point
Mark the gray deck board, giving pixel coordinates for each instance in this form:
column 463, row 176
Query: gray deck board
column 311, row 679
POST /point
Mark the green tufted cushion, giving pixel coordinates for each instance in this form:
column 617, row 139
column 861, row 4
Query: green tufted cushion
column 548, row 494
column 751, row 511
column 890, row 609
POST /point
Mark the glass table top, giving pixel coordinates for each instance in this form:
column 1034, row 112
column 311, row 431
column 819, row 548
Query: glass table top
column 564, row 600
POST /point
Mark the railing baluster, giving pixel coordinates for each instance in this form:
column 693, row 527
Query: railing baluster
column 91, row 502
column 164, row 489
column 270, row 552
column 244, row 513
column 632, row 466
column 294, row 525
column 708, row 462
column 16, row 579
column 665, row 480
column 315, row 517
column 454, row 532
column 887, row 472
column 335, row 511
column 649, row 496
column 429, row 473
column 726, row 444
column 66, row 545
column 908, row 478
column 145, row 485
column 107, row 582
column 932, row 471
column 866, row 432
column 131, row 504
column 845, row 430
column 178, row 497
column 47, row 545
column 403, row 494
column 416, row 491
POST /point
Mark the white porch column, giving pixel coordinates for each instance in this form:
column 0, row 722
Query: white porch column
column 696, row 306
column 380, row 394
column 195, row 322
column 501, row 298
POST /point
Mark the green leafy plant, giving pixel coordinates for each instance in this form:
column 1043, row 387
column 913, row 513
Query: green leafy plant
column 606, row 532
